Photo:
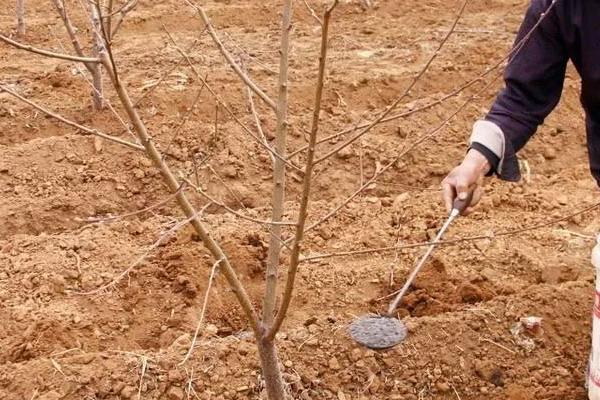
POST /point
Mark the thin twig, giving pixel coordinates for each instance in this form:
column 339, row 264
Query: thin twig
column 82, row 128
column 151, row 88
column 514, row 51
column 257, row 122
column 47, row 53
column 306, row 185
column 185, row 118
column 184, row 203
column 379, row 172
column 498, row 345
column 131, row 214
column 455, row 392
column 415, row 80
column 144, row 361
column 165, row 236
column 313, row 13
column 122, row 14
column 232, row 211
column 237, row 69
column 203, row 311
column 226, row 107
column 491, row 236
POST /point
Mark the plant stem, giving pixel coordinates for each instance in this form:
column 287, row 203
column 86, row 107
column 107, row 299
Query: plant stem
column 278, row 170
column 306, row 185
column 269, row 362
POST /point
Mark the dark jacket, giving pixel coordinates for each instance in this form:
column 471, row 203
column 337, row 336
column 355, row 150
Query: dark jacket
column 534, row 78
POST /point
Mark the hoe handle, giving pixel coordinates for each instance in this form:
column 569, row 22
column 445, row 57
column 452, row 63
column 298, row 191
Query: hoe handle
column 461, row 205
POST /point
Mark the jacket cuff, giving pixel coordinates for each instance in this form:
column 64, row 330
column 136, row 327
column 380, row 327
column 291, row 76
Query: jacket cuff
column 489, row 139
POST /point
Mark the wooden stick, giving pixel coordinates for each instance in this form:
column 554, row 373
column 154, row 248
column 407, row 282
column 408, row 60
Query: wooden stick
column 306, row 185
column 47, row 53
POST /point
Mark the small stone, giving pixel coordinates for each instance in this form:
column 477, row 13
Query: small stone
column 139, row 174
column 128, row 392
column 175, row 393
column 334, row 364
column 229, row 171
column 344, row 153
column 442, row 387
column 549, row 153
column 399, row 200
column 356, row 355
column 174, row 376
column 288, row 364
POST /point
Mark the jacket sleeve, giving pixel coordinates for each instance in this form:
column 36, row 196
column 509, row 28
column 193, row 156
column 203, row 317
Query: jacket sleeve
column 533, row 85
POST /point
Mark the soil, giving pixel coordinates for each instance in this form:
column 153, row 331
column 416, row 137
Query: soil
column 59, row 341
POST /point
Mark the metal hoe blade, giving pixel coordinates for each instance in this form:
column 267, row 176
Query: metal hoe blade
column 376, row 332
column 382, row 332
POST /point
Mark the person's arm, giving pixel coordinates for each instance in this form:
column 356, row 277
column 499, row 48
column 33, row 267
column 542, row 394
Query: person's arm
column 533, row 86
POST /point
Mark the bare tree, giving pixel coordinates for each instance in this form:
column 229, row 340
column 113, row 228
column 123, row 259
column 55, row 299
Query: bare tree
column 267, row 322
column 95, row 69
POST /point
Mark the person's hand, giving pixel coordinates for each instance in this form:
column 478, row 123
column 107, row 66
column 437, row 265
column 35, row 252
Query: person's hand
column 467, row 177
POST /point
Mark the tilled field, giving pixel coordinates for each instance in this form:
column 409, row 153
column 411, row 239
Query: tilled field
column 62, row 338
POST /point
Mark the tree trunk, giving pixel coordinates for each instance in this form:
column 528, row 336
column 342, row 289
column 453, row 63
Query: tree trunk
column 20, row 17
column 97, row 96
column 99, row 47
column 270, row 369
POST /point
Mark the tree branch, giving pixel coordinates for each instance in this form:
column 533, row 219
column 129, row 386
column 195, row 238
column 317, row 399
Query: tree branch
column 278, row 198
column 238, row 70
column 231, row 210
column 403, row 153
column 491, row 236
column 127, row 7
column 47, row 53
column 416, row 79
column 184, row 203
column 306, row 185
column 82, row 128
column 512, row 53
column 62, row 11
column 226, row 107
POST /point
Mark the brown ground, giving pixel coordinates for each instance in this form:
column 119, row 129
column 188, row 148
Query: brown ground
column 58, row 344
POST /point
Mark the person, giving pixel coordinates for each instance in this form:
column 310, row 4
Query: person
column 552, row 33
column 568, row 30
